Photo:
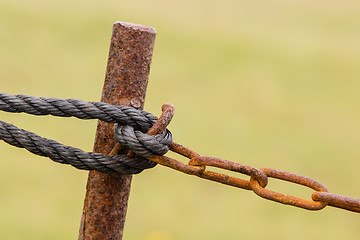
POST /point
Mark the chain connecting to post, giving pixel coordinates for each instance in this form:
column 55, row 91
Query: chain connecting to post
column 258, row 177
column 142, row 141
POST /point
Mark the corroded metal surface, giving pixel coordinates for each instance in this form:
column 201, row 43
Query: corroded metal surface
column 287, row 199
column 232, row 166
column 258, row 180
column 126, row 80
column 164, row 120
column 336, row 200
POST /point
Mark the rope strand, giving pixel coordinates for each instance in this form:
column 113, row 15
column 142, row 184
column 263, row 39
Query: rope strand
column 130, row 131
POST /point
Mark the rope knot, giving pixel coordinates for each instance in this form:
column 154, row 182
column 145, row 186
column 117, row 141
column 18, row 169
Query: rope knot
column 141, row 143
column 157, row 139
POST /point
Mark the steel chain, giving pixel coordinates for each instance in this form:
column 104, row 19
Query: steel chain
column 258, row 178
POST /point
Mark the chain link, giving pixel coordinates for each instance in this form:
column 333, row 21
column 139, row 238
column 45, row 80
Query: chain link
column 258, row 180
column 287, row 199
column 258, row 177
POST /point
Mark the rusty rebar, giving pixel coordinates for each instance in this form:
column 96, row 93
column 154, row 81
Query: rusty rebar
column 125, row 83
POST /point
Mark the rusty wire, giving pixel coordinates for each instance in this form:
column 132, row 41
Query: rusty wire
column 258, row 177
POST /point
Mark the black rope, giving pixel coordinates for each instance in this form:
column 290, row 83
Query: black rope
column 141, row 143
column 123, row 115
column 130, row 128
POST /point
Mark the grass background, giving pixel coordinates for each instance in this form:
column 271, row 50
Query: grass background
column 264, row 83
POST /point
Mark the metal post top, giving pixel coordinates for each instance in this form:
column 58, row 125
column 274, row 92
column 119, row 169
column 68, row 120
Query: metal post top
column 136, row 27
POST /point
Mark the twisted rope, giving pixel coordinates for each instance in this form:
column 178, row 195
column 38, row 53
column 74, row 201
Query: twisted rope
column 129, row 131
column 123, row 115
column 143, row 144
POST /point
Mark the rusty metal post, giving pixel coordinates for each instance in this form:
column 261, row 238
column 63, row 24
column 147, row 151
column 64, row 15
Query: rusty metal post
column 126, row 81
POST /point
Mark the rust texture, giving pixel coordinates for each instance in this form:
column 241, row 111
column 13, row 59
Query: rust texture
column 339, row 201
column 125, row 83
column 164, row 120
column 258, row 180
column 231, row 166
column 287, row 199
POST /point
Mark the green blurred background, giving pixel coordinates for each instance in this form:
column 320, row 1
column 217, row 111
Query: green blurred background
column 264, row 83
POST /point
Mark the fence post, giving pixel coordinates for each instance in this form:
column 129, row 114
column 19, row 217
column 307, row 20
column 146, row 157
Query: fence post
column 125, row 83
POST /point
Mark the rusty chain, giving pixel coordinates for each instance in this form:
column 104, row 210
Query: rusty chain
column 258, row 177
